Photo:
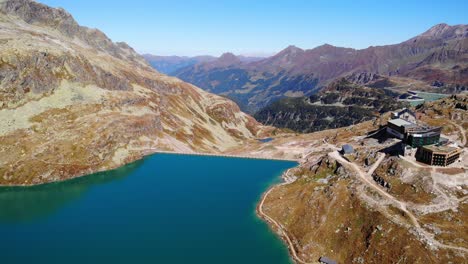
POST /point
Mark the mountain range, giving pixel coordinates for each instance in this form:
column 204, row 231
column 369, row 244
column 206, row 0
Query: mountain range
column 171, row 64
column 436, row 57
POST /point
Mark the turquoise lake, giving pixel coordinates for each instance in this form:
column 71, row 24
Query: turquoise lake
column 428, row 97
column 162, row 209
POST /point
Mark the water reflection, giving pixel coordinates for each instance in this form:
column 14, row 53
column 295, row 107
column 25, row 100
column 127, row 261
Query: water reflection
column 25, row 204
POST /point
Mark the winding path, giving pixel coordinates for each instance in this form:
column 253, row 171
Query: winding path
column 402, row 205
column 366, row 178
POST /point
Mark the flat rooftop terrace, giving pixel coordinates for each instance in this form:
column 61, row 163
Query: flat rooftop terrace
column 399, row 122
column 442, row 149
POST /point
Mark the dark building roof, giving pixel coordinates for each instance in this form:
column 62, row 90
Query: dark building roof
column 327, row 260
column 347, row 149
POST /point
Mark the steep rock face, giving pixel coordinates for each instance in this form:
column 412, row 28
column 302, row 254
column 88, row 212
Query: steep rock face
column 342, row 103
column 437, row 55
column 72, row 102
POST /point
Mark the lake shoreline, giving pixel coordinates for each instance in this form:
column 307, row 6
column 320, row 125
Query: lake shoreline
column 275, row 226
column 145, row 153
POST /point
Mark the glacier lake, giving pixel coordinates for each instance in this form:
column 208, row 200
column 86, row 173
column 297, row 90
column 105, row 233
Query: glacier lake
column 162, row 209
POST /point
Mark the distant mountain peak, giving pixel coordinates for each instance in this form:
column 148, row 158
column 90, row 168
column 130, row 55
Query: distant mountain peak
column 325, row 48
column 439, row 26
column 445, row 31
column 291, row 49
column 288, row 54
column 228, row 58
column 326, row 45
column 436, row 30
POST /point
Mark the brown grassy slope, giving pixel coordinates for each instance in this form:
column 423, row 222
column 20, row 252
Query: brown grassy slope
column 329, row 219
column 327, row 211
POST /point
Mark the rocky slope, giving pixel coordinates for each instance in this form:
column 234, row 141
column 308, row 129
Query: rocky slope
column 438, row 57
column 328, row 211
column 454, row 110
column 341, row 104
column 72, row 102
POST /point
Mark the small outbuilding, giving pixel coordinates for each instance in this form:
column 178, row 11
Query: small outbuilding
column 326, row 260
column 405, row 114
column 347, row 149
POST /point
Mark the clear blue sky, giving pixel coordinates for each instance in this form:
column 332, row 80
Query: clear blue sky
column 175, row 27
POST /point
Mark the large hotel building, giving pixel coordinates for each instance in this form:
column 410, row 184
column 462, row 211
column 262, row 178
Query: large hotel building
column 432, row 149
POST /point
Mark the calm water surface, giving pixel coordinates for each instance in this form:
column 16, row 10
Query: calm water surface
column 428, row 97
column 162, row 209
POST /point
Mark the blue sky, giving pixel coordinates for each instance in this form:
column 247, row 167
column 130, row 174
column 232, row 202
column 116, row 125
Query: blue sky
column 250, row 27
